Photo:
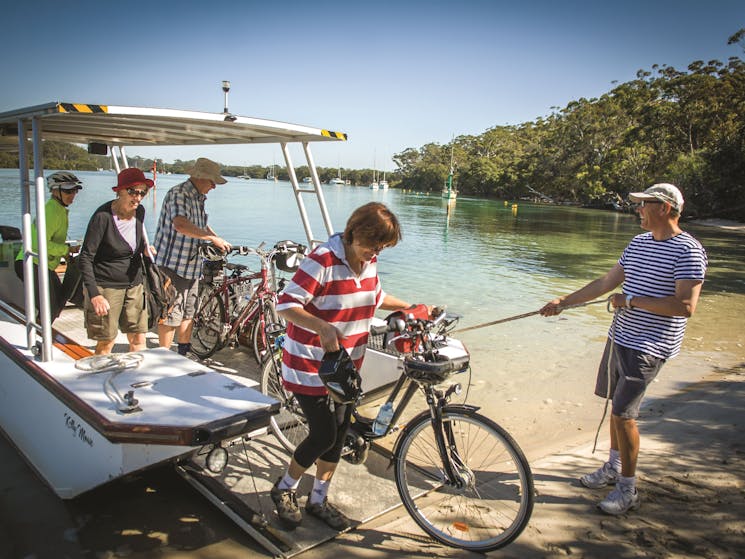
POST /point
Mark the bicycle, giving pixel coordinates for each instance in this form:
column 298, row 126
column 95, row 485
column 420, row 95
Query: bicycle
column 241, row 304
column 473, row 482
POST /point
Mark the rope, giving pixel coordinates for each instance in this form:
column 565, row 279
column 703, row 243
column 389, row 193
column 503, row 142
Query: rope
column 527, row 314
column 111, row 362
column 608, row 375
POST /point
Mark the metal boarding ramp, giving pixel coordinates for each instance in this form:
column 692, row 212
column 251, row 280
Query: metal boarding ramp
column 364, row 492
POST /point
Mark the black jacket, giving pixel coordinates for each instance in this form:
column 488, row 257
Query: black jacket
column 106, row 259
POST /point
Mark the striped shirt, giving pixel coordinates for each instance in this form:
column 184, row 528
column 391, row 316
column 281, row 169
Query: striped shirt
column 327, row 288
column 651, row 269
column 173, row 249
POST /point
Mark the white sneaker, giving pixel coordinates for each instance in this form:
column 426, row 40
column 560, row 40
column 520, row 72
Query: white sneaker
column 605, row 475
column 620, row 500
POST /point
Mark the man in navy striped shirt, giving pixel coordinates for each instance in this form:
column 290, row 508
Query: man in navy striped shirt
column 662, row 272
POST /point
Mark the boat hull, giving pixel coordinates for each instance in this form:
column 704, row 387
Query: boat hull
column 73, row 429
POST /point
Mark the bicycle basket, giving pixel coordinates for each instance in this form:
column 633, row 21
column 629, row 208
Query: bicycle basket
column 434, row 372
column 289, row 259
column 213, row 271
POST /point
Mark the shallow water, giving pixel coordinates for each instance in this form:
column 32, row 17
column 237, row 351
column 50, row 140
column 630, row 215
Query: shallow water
column 485, row 262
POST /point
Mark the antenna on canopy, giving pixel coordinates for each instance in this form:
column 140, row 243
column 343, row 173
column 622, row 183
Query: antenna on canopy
column 225, row 89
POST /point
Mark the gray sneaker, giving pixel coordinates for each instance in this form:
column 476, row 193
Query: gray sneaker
column 620, row 500
column 287, row 508
column 329, row 514
column 603, row 476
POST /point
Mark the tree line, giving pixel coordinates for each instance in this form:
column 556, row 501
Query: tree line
column 667, row 125
column 72, row 157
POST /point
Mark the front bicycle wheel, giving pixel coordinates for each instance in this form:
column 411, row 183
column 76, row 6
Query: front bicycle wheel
column 262, row 338
column 289, row 425
column 208, row 331
column 494, row 500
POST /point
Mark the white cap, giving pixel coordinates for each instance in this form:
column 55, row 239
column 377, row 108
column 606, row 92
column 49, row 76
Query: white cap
column 664, row 192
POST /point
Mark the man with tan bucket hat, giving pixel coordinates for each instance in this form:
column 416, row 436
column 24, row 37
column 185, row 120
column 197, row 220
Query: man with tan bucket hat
column 182, row 227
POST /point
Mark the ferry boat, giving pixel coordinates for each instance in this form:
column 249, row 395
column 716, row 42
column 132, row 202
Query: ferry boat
column 82, row 422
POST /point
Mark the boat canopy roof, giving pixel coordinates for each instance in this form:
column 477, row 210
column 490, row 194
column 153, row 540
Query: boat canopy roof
column 116, row 125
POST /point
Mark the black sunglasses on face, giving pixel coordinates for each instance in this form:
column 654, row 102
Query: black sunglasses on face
column 135, row 192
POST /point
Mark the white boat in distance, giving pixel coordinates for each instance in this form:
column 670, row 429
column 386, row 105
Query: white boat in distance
column 337, row 181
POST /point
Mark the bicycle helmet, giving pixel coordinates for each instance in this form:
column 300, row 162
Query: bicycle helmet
column 64, row 180
column 340, row 377
column 289, row 256
column 211, row 253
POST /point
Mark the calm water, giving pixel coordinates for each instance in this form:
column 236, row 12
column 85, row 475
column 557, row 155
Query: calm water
column 484, row 263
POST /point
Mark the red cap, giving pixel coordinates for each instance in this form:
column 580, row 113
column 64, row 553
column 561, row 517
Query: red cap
column 131, row 177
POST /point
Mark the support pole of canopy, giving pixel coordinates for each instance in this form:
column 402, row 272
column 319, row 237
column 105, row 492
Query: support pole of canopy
column 117, row 168
column 297, row 191
column 28, row 257
column 41, row 230
column 318, row 189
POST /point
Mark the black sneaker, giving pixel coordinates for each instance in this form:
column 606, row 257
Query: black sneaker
column 329, row 514
column 287, row 508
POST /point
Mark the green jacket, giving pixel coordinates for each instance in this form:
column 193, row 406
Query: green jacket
column 57, row 223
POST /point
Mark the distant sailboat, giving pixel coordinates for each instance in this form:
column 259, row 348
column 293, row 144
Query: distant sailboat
column 271, row 174
column 374, row 185
column 383, row 184
column 449, row 193
column 337, row 180
column 245, row 175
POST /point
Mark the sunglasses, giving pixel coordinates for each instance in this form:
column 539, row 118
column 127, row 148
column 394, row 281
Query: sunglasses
column 647, row 202
column 135, row 192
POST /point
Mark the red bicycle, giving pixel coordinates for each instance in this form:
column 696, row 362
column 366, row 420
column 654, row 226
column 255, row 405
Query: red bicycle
column 242, row 304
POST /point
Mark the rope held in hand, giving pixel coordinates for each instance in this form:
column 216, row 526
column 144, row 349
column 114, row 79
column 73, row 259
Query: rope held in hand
column 527, row 314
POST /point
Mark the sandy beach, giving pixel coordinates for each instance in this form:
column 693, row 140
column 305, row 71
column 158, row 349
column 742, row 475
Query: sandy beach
column 691, row 479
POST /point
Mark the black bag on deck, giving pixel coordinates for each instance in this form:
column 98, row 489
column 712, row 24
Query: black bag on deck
column 160, row 294
column 72, row 284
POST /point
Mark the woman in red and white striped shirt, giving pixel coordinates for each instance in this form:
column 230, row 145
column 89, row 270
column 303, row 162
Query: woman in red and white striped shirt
column 329, row 303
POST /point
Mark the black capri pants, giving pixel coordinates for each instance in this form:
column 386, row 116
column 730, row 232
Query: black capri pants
column 328, row 423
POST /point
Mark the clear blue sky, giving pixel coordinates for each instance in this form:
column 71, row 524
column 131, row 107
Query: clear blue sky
column 392, row 74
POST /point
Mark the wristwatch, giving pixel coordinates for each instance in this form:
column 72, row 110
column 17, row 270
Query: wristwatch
column 628, row 301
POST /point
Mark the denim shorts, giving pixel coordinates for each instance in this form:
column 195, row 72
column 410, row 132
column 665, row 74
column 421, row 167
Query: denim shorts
column 631, row 371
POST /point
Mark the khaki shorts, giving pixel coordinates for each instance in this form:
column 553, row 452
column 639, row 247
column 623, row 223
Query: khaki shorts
column 127, row 313
column 185, row 304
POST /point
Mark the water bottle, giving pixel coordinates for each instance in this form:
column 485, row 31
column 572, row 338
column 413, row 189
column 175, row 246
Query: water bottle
column 383, row 420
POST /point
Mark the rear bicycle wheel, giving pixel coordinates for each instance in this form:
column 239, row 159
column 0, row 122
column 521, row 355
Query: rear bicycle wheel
column 495, row 502
column 207, row 335
column 289, row 425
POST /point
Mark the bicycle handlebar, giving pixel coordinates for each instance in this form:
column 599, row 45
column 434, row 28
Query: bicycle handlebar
column 210, row 252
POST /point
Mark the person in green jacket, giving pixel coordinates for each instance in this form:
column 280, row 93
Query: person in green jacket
column 63, row 187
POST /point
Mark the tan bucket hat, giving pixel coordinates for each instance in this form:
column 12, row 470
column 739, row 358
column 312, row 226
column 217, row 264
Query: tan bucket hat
column 206, row 169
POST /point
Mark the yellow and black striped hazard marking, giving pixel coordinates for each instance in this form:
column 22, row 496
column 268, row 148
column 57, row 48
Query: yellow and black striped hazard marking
column 337, row 135
column 81, row 108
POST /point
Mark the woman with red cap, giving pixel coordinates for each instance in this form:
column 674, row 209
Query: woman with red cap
column 111, row 266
